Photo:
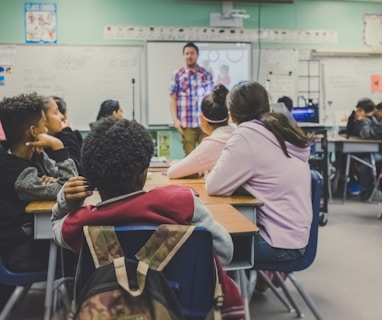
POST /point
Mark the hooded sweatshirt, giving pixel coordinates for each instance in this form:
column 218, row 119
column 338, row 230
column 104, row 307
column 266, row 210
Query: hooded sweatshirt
column 253, row 159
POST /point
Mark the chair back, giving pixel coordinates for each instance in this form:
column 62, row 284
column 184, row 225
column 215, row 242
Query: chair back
column 311, row 249
column 191, row 271
column 21, row 279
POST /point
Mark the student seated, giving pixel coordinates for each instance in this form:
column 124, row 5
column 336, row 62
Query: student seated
column 359, row 173
column 27, row 174
column 288, row 102
column 58, row 127
column 267, row 157
column 214, row 123
column 364, row 109
column 371, row 128
column 62, row 107
column 108, row 108
column 116, row 155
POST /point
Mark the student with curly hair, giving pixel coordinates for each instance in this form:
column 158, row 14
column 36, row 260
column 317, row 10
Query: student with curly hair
column 116, row 155
column 267, row 157
column 214, row 123
column 27, row 174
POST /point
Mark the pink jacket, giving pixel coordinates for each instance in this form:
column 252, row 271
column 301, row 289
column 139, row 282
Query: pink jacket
column 253, row 159
column 204, row 157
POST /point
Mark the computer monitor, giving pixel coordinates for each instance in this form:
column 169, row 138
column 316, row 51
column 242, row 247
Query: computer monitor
column 306, row 114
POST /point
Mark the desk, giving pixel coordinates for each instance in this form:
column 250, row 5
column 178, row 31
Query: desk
column 351, row 146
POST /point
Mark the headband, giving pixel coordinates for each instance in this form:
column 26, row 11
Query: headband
column 214, row 121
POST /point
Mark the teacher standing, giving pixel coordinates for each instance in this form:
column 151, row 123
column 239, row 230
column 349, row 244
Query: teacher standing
column 189, row 85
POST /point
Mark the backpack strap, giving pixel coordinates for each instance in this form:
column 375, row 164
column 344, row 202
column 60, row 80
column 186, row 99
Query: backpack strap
column 163, row 244
column 122, row 277
column 103, row 244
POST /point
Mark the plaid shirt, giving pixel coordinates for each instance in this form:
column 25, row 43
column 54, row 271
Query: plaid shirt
column 190, row 87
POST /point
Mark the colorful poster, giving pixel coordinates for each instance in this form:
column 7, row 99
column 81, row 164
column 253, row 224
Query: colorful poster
column 40, row 23
column 376, row 83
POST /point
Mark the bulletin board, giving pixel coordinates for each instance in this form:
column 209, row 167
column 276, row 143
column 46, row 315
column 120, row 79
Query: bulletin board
column 83, row 76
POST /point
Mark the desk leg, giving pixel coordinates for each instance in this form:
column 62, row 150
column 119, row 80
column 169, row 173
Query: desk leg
column 347, row 168
column 50, row 280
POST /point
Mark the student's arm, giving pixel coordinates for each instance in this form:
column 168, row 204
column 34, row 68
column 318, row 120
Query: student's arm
column 222, row 240
column 233, row 169
column 31, row 187
column 69, row 198
column 195, row 163
column 366, row 129
column 174, row 115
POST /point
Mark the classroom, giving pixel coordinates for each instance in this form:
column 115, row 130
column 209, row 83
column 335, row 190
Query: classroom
column 324, row 54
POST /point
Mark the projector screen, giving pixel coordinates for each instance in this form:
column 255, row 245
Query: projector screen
column 163, row 58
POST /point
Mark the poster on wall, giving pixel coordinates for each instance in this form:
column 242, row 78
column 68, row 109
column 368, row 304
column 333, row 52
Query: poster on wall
column 40, row 23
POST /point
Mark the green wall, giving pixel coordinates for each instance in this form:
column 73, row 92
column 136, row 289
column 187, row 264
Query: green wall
column 82, row 21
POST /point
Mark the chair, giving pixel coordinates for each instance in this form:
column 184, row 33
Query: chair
column 22, row 280
column 191, row 271
column 305, row 261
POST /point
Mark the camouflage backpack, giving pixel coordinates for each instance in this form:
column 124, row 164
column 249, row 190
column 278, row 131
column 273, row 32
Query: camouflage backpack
column 127, row 289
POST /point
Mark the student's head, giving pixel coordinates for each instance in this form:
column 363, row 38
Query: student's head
column 61, row 104
column 190, row 54
column 214, row 112
column 366, row 104
column 115, row 155
column 54, row 118
column 110, row 108
column 247, row 100
column 378, row 111
column 22, row 117
column 288, row 102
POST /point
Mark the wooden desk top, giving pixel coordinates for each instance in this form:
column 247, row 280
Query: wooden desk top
column 157, row 179
column 232, row 219
column 40, row 206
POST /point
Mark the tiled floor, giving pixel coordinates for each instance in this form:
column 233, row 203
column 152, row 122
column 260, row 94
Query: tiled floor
column 345, row 280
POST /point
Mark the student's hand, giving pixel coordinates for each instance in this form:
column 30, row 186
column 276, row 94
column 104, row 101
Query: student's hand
column 44, row 140
column 45, row 180
column 76, row 190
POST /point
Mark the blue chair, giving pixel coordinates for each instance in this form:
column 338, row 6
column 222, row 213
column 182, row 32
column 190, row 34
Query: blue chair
column 191, row 271
column 304, row 262
column 22, row 280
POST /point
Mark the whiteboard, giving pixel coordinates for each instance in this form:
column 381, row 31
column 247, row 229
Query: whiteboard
column 277, row 71
column 347, row 80
column 83, row 76
column 164, row 58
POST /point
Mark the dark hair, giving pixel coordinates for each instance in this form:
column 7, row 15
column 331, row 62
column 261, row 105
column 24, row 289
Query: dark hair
column 366, row 104
column 107, row 108
column 379, row 106
column 214, row 108
column 248, row 100
column 61, row 104
column 114, row 153
column 20, row 112
column 191, row 44
column 288, row 102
